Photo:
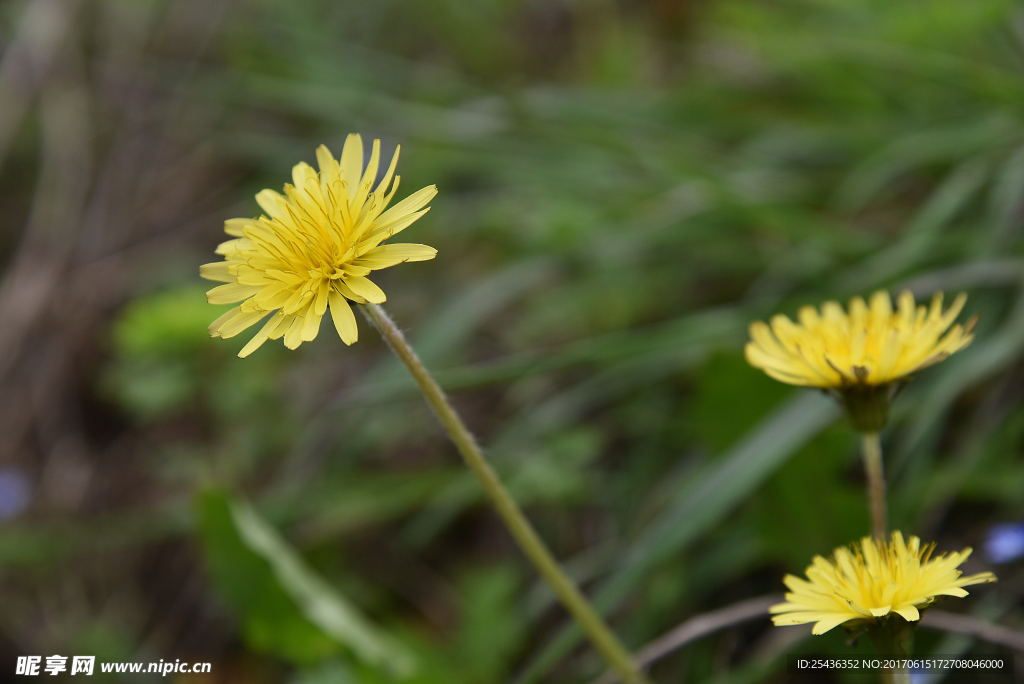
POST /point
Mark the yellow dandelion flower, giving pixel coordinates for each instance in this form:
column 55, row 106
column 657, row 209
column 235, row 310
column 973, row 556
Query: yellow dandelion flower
column 313, row 249
column 878, row 579
column 871, row 345
column 861, row 356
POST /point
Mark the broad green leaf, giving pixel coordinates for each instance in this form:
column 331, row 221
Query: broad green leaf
column 288, row 609
column 271, row 621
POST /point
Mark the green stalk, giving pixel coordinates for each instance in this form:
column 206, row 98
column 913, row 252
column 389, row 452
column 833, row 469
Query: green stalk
column 894, row 638
column 876, row 485
column 896, row 677
column 600, row 635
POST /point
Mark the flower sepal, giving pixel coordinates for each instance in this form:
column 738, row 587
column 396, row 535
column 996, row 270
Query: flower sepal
column 867, row 406
column 892, row 634
column 878, row 630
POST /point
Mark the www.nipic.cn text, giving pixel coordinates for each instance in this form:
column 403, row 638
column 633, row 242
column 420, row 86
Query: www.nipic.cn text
column 85, row 665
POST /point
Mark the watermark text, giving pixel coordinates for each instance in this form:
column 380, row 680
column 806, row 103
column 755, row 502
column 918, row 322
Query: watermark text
column 86, row 665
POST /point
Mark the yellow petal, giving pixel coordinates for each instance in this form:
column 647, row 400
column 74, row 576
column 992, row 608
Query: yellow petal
column 325, row 160
column 230, row 293
column 301, row 173
column 366, row 289
column 262, row 336
column 383, row 187
column 240, row 322
column 410, row 205
column 344, row 320
column 352, row 162
column 385, row 256
column 293, row 335
column 908, row 611
column 232, row 247
column 237, row 226
column 310, row 325
column 274, row 204
column 830, row 622
column 217, row 271
column 214, row 327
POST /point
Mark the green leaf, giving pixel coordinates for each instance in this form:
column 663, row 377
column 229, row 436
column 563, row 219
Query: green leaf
column 288, row 609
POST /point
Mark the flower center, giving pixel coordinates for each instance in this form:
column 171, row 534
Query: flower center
column 327, row 271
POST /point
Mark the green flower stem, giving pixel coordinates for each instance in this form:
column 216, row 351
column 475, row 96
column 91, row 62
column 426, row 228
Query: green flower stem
column 894, row 638
column 876, row 484
column 600, row 635
column 896, row 677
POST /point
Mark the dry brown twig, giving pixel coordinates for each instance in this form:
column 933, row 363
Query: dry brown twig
column 972, row 626
column 697, row 627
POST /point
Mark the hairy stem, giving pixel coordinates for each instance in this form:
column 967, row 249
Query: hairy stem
column 876, row 484
column 531, row 544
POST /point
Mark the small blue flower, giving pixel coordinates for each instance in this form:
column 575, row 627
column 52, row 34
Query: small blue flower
column 1005, row 542
column 15, row 493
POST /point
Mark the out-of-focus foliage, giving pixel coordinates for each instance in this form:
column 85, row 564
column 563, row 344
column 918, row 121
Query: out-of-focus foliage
column 623, row 187
column 289, row 611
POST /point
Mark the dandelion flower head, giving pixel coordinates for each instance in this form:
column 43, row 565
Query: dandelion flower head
column 870, row 345
column 313, row 249
column 870, row 582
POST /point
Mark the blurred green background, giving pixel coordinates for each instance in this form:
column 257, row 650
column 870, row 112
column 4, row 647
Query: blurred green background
column 623, row 187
